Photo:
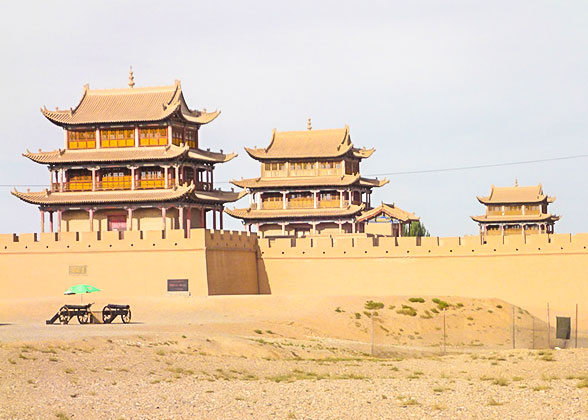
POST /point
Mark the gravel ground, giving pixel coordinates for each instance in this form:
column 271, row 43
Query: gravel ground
column 267, row 376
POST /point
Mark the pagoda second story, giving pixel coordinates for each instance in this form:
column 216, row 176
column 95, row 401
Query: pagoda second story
column 131, row 160
column 310, row 183
column 516, row 211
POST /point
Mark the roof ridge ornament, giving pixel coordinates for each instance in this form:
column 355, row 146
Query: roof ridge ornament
column 516, row 181
column 131, row 78
column 309, row 124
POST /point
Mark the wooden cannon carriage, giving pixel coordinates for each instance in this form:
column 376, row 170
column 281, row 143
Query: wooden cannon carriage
column 111, row 311
column 67, row 312
column 85, row 314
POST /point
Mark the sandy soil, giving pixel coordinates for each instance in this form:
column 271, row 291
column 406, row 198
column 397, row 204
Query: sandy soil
column 287, row 357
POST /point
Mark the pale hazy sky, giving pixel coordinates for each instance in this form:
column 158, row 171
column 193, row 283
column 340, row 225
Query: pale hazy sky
column 429, row 84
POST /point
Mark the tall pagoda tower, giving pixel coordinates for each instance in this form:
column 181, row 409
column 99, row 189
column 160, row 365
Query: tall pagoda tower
column 310, row 183
column 516, row 211
column 131, row 160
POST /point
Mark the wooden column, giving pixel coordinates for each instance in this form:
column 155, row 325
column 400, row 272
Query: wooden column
column 214, row 219
column 220, row 215
column 314, row 196
column 163, row 212
column 93, row 179
column 202, row 218
column 181, row 216
column 284, row 200
column 59, row 221
column 165, row 176
column 91, row 219
column 177, row 173
column 340, row 200
column 130, row 218
column 50, row 221
column 283, row 228
column 133, row 168
column 188, row 221
column 42, row 221
column 60, row 180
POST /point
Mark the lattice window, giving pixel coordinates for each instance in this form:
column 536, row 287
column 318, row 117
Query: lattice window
column 81, row 139
column 117, row 138
column 153, row 136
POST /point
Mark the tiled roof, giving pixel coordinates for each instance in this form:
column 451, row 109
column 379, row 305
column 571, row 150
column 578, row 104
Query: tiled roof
column 124, row 196
column 212, row 157
column 125, row 154
column 129, row 105
column 309, row 144
column 250, row 214
column 389, row 210
column 186, row 193
column 218, row 196
column 308, row 181
column 516, row 194
column 516, row 218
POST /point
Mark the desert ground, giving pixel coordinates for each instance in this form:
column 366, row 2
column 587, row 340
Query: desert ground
column 271, row 357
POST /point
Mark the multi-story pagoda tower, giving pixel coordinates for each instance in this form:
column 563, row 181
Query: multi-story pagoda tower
column 516, row 211
column 131, row 161
column 310, row 183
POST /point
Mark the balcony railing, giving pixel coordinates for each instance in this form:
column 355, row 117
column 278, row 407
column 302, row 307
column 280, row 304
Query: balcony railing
column 323, row 204
column 301, row 204
column 114, row 184
column 272, row 205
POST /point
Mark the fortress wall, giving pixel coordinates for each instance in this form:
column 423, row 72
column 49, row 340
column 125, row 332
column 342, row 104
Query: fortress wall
column 231, row 261
column 527, row 271
column 42, row 265
column 136, row 263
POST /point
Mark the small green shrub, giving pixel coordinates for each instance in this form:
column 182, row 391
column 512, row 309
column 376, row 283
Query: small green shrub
column 441, row 304
column 416, row 300
column 357, row 315
column 459, row 305
column 338, row 309
column 370, row 305
column 499, row 306
column 258, row 331
column 407, row 310
column 392, row 307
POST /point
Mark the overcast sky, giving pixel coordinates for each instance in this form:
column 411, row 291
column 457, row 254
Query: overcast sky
column 429, row 84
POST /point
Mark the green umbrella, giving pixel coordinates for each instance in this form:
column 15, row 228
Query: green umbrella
column 80, row 289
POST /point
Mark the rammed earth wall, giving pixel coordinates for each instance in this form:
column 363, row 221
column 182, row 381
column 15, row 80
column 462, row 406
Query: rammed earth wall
column 527, row 271
column 138, row 264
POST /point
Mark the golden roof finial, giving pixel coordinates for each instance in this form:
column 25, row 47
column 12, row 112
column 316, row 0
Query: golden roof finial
column 516, row 182
column 309, row 124
column 131, row 78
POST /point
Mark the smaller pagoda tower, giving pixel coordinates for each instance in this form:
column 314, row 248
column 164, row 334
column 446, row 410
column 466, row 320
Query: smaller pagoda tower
column 516, row 211
column 310, row 183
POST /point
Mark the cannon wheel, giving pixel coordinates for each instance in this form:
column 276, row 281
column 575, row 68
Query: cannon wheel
column 64, row 315
column 107, row 315
column 126, row 316
column 84, row 318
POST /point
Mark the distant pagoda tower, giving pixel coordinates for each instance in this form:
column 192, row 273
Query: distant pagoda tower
column 310, row 183
column 131, row 161
column 516, row 211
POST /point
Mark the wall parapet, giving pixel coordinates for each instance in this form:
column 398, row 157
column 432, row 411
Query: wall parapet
column 382, row 246
column 125, row 241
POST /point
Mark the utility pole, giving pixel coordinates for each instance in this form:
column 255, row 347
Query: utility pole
column 548, row 328
column 444, row 343
column 533, row 318
column 513, row 327
column 576, row 325
column 372, row 349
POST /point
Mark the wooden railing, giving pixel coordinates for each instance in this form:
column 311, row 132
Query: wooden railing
column 301, row 204
column 272, row 205
column 329, row 203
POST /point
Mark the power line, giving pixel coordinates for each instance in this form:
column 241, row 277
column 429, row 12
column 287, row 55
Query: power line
column 489, row 165
column 420, row 171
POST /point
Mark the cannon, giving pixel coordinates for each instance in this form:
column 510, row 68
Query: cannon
column 111, row 311
column 67, row 312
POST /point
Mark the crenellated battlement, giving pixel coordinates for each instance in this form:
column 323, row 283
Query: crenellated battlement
column 125, row 241
column 361, row 245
